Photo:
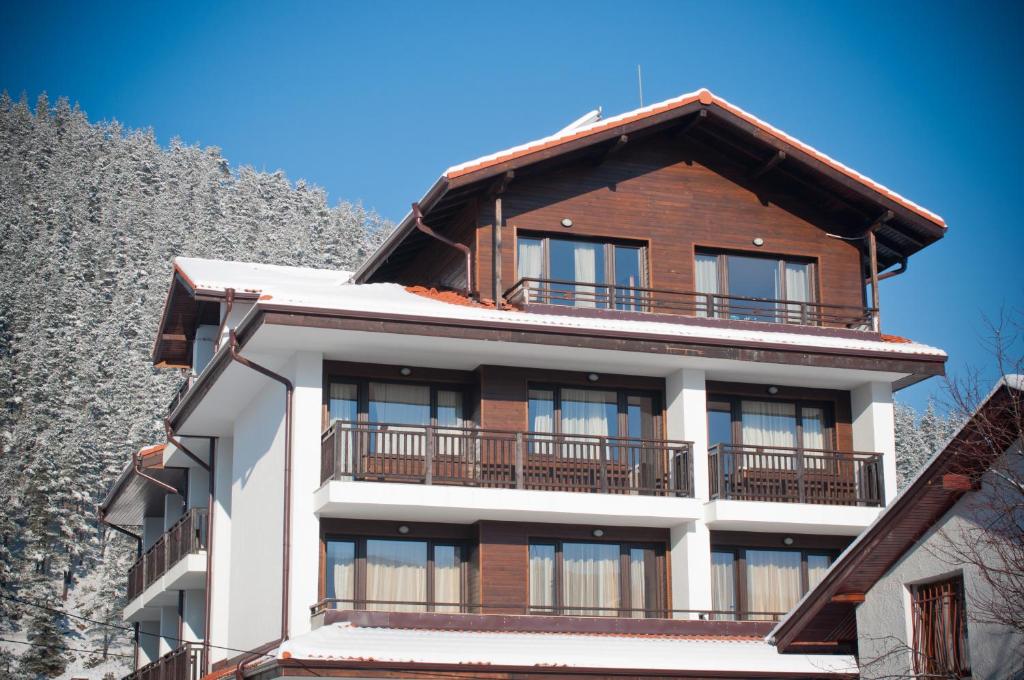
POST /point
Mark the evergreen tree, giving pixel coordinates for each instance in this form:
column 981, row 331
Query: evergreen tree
column 918, row 439
column 46, row 657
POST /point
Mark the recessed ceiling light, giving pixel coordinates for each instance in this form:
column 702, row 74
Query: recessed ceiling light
column 405, row 370
column 758, row 241
column 598, row 533
column 567, row 222
column 772, row 389
column 403, row 529
column 593, row 377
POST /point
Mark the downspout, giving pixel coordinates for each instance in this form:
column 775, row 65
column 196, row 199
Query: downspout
column 895, row 272
column 209, row 557
column 286, row 539
column 101, row 516
column 418, row 215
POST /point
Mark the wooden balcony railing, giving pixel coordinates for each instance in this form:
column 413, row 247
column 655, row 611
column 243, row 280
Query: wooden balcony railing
column 183, row 389
column 185, row 537
column 525, row 609
column 787, row 475
column 187, row 662
column 687, row 303
column 506, row 459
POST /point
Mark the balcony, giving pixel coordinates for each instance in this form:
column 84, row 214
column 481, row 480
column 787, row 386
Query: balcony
column 646, row 302
column 183, row 389
column 186, row 537
column 505, row 459
column 184, row 663
column 785, row 475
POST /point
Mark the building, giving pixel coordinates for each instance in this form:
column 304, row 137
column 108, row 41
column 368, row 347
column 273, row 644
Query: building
column 920, row 592
column 609, row 402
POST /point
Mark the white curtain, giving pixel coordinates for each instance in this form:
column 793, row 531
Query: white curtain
column 813, row 421
column 531, row 259
column 449, row 415
column 637, row 583
column 542, row 419
column 587, row 412
column 542, row 578
column 723, row 585
column 341, row 570
column 590, row 579
column 585, row 268
column 396, row 405
column 707, row 281
column 773, row 581
column 396, row 571
column 447, row 578
column 817, row 566
column 798, row 289
column 343, row 402
column 771, row 426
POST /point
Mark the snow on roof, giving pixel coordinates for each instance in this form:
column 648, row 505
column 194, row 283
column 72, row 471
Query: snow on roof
column 343, row 641
column 330, row 291
column 253, row 277
column 705, row 97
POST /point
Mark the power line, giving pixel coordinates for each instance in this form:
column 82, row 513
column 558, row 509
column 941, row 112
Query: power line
column 69, row 649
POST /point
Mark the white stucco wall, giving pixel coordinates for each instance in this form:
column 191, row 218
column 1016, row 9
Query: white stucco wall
column 220, row 547
column 254, row 602
column 192, row 615
column 149, row 642
column 884, row 619
column 874, row 428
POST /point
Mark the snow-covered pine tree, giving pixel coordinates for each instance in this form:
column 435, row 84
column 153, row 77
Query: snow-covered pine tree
column 90, row 216
column 919, row 438
column 46, row 655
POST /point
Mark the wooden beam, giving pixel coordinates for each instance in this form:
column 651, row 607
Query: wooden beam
column 873, row 264
column 611, row 149
column 851, row 598
column 173, row 337
column 701, row 116
column 955, row 482
column 776, row 158
column 498, row 187
column 497, row 289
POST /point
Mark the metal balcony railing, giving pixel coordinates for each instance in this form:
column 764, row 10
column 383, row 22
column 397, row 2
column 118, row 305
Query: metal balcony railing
column 788, row 475
column 687, row 303
column 506, row 459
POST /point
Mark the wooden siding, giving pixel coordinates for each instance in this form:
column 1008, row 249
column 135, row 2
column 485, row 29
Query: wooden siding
column 649, row 192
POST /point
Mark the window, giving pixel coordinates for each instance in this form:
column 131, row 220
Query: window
column 753, row 288
column 595, row 579
column 940, row 629
column 583, row 273
column 396, row 403
column 394, row 574
column 761, row 584
column 770, row 425
column 593, row 412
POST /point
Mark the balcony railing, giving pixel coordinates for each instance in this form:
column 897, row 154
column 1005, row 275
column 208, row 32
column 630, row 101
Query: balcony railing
column 187, row 662
column 183, row 389
column 187, row 536
column 687, row 303
column 525, row 609
column 506, row 459
column 787, row 475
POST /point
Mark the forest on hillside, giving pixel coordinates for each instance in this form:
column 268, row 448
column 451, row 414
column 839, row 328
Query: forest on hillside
column 91, row 215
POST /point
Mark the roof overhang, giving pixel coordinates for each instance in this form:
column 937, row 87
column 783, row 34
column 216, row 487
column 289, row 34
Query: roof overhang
column 738, row 145
column 827, row 614
column 272, row 332
column 133, row 497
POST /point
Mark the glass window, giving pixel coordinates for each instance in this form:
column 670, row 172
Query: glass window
column 542, row 578
column 589, row 412
column 640, row 601
column 396, row 575
column 341, row 569
column 723, row 586
column 738, row 286
column 531, row 258
column 449, row 408
column 628, row 276
column 773, row 582
column 817, row 565
column 447, row 578
column 590, row 579
column 719, row 424
column 398, row 403
column 344, row 402
column 769, row 424
column 940, row 629
column 753, row 277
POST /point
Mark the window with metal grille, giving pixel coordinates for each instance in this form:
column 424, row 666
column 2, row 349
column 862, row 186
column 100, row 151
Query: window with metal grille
column 940, row 629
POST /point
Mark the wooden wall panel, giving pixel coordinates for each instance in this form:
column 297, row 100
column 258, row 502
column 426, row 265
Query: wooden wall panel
column 649, row 192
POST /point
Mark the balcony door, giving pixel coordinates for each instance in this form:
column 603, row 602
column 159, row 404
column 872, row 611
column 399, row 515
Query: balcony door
column 583, row 273
column 582, row 415
column 754, row 288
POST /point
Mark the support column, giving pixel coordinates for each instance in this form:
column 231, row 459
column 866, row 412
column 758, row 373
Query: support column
column 690, row 554
column 874, row 428
column 304, row 571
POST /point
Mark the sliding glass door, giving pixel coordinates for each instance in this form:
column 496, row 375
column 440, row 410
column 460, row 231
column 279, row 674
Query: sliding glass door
column 762, row 584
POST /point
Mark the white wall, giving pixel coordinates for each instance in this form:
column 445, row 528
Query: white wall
column 884, row 619
column 193, row 615
column 202, row 347
column 874, row 428
column 149, row 642
column 254, row 602
column 690, row 555
column 307, row 377
column 173, row 510
column 168, row 629
column 238, row 312
column 220, row 548
column 152, row 529
column 198, row 487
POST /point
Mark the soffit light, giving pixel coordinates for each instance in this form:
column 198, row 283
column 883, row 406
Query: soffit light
column 788, row 540
column 405, row 370
column 567, row 222
column 598, row 533
column 403, row 529
column 593, row 377
column 758, row 241
column 772, row 389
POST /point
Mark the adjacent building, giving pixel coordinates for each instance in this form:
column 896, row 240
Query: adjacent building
column 606, row 403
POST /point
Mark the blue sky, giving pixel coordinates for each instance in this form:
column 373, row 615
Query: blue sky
column 373, row 100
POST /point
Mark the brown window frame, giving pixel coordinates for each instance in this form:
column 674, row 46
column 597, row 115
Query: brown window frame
column 622, row 396
column 735, row 403
column 953, row 659
column 462, row 549
column 781, row 259
column 608, row 245
column 739, row 556
column 654, row 568
column 362, row 386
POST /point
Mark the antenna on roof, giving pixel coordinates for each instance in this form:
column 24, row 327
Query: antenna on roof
column 640, row 84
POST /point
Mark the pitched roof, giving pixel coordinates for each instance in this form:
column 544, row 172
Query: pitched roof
column 913, row 227
column 824, row 616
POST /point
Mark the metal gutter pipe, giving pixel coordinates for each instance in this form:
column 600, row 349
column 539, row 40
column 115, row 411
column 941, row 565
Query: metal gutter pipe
column 418, row 216
column 286, row 539
column 209, row 556
column 229, row 303
column 138, row 470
